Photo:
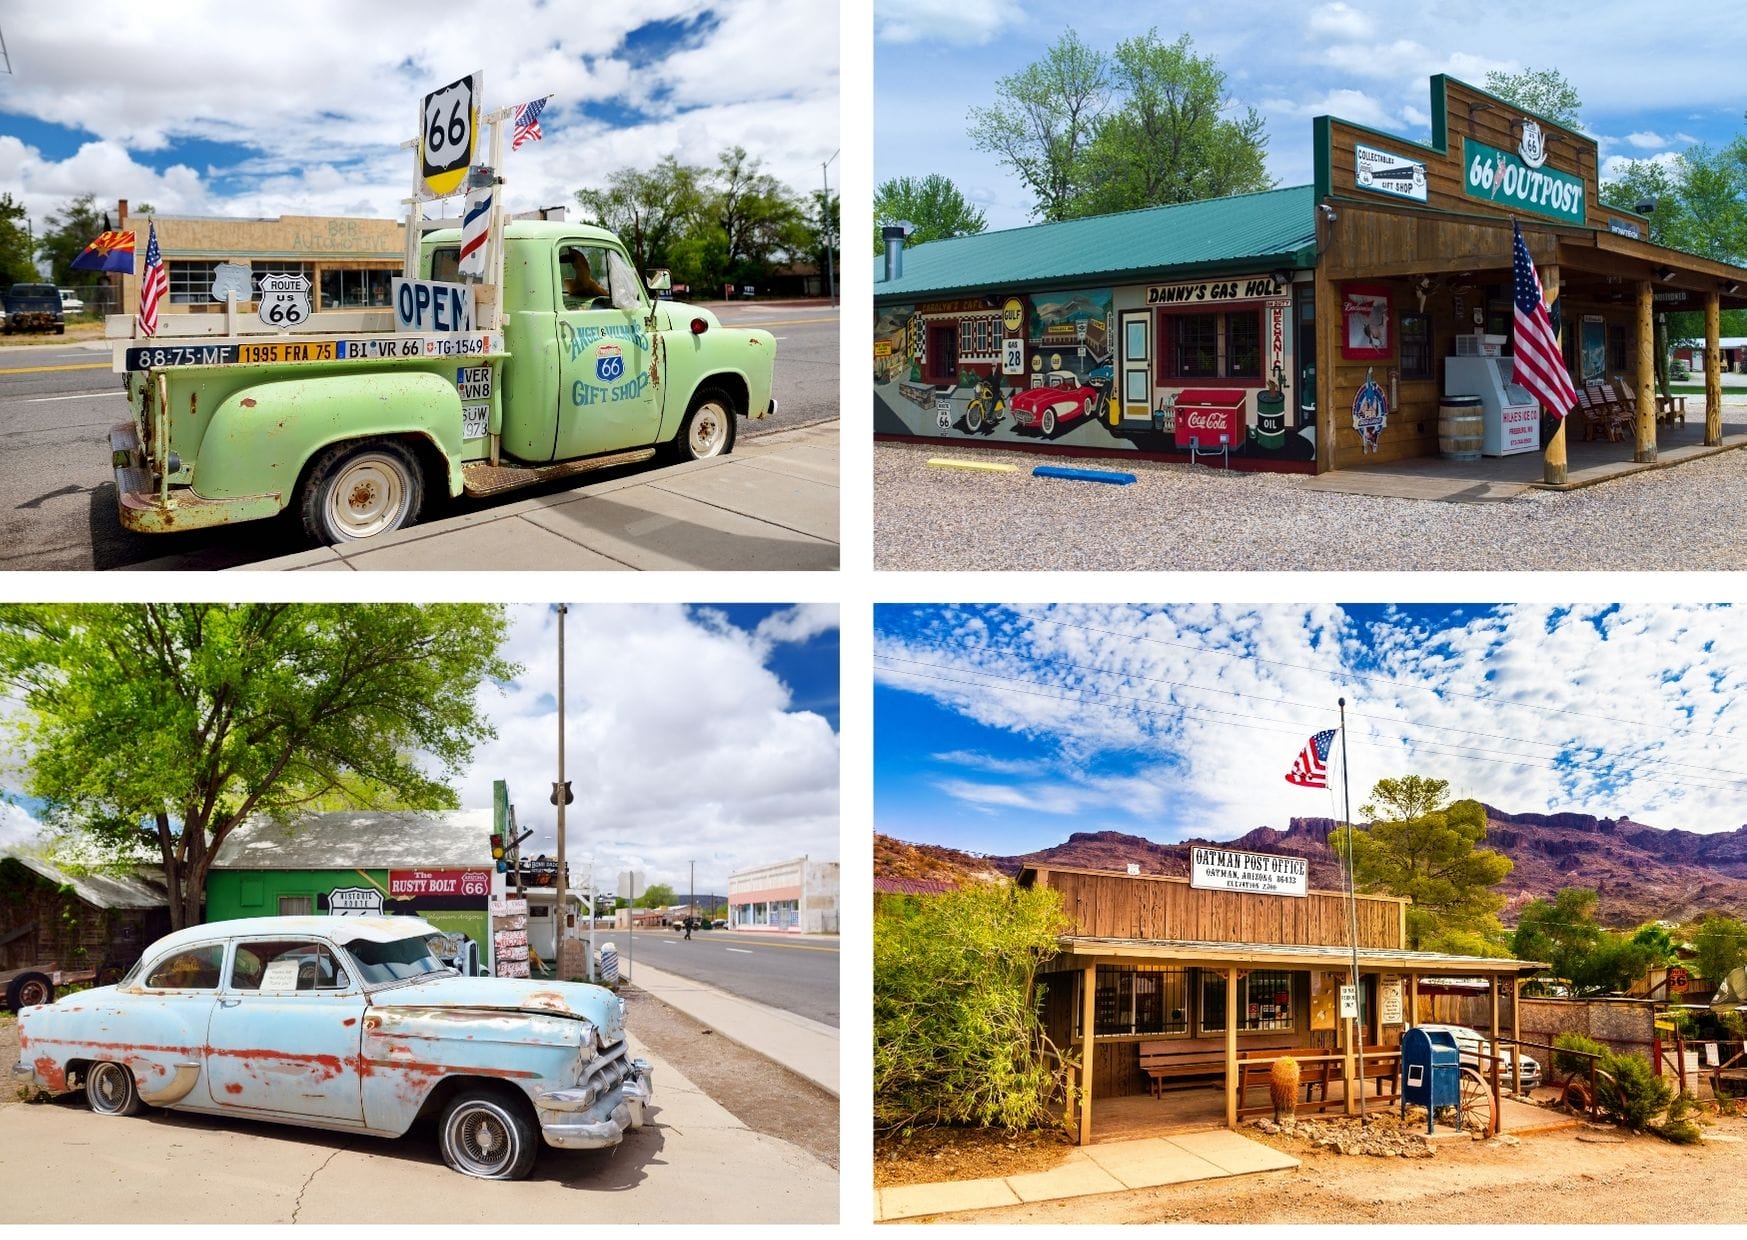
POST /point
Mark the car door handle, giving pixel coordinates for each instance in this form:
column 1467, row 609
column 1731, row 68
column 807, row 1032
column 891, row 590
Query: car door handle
column 228, row 1002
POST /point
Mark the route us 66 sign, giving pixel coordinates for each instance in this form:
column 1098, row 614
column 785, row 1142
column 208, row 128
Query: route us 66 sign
column 284, row 300
column 609, row 363
column 448, row 127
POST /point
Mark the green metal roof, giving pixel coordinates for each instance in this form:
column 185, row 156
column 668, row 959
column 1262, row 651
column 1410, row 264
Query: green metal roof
column 1275, row 228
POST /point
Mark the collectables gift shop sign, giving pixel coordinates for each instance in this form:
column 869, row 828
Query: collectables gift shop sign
column 1222, row 869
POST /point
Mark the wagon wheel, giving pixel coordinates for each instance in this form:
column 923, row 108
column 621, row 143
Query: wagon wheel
column 1476, row 1102
column 1574, row 1093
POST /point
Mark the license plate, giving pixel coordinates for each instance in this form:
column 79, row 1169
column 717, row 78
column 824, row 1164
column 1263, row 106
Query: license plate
column 474, row 421
column 181, row 355
column 289, row 351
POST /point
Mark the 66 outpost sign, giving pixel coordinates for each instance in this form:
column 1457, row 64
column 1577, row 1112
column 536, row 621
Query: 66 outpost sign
column 1223, row 869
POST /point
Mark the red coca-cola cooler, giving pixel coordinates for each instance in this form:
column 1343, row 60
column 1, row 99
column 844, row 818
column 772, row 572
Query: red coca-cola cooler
column 1205, row 414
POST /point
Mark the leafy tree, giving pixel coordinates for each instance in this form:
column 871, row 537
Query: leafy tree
column 757, row 215
column 657, row 895
column 649, row 210
column 168, row 724
column 1043, row 121
column 1420, row 847
column 1564, row 933
column 16, row 262
column 1545, row 92
column 933, row 204
column 1658, row 943
column 1721, row 944
column 1170, row 141
column 957, row 1037
column 66, row 235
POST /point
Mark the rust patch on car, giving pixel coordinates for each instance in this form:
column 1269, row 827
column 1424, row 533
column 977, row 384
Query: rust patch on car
column 546, row 1001
column 248, row 402
column 50, row 1073
column 233, row 1087
column 350, row 1020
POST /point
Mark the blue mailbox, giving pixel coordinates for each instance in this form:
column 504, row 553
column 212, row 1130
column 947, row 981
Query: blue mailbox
column 1431, row 1071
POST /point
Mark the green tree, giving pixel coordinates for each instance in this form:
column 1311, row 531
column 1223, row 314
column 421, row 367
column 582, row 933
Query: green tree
column 1658, row 943
column 1593, row 960
column 66, row 235
column 649, row 210
column 957, row 1037
column 1545, row 92
column 932, row 204
column 1420, row 847
column 17, row 264
column 657, row 895
column 1721, row 946
column 757, row 215
column 1170, row 140
column 1043, row 121
column 168, row 724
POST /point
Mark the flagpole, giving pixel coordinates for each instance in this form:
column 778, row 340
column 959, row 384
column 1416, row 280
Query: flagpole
column 1357, row 1042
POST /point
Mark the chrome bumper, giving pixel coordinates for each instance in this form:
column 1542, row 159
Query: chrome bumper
column 570, row 1119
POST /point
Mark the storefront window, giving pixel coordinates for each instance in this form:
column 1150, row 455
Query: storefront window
column 190, row 283
column 1211, row 346
column 1197, row 346
column 1140, row 1000
column 1264, row 1001
column 1243, row 346
column 1616, row 347
column 979, row 339
column 354, row 288
column 1416, row 346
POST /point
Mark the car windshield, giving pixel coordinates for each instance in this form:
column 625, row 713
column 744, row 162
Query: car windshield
column 399, row 961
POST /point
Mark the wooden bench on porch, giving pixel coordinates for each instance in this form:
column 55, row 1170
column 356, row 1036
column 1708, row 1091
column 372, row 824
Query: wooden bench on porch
column 1255, row 1068
column 1383, row 1064
column 1163, row 1061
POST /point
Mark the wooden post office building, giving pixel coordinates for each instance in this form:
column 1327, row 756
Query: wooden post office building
column 1305, row 329
column 1165, row 987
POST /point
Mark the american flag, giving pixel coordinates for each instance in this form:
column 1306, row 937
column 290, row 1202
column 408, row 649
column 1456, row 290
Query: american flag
column 1310, row 770
column 1539, row 365
column 528, row 124
column 153, row 285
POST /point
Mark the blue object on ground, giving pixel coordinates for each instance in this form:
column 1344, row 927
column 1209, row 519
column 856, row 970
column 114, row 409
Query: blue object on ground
column 1082, row 475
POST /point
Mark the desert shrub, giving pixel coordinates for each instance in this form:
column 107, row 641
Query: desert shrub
column 1680, row 1126
column 1574, row 1042
column 957, row 1033
column 1627, row 1089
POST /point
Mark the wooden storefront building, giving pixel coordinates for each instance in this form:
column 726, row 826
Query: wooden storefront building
column 1161, row 984
column 1310, row 328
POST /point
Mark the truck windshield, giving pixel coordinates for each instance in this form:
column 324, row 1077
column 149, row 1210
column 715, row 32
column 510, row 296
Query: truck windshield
column 395, row 962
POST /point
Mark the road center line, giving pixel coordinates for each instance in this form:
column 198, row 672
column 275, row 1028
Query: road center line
column 37, row 370
column 744, row 951
column 37, row 400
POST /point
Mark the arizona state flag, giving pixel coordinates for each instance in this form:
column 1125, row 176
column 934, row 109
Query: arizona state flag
column 112, row 251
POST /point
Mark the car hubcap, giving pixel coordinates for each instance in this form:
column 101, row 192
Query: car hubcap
column 709, row 431
column 483, row 1142
column 366, row 499
column 109, row 1086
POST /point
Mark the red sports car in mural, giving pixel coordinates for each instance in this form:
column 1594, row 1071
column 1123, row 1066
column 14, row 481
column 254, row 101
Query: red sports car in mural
column 1066, row 398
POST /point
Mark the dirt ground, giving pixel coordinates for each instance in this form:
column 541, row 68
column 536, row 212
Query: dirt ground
column 1581, row 1174
column 760, row 1094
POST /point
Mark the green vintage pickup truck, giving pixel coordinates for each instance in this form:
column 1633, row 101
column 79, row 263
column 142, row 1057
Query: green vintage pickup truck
column 576, row 370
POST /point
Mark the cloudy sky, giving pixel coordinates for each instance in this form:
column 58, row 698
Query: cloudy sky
column 263, row 109
column 1652, row 84
column 703, row 733
column 1005, row 729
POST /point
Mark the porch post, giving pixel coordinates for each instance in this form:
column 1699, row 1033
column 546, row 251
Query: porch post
column 1516, row 1032
column 1329, row 326
column 1231, row 1046
column 1412, row 1000
column 1495, row 1035
column 1554, row 463
column 1713, row 369
column 1646, row 377
column 1089, row 995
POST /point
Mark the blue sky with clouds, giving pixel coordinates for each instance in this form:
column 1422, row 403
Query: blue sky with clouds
column 703, row 733
column 1653, row 84
column 205, row 108
column 1004, row 729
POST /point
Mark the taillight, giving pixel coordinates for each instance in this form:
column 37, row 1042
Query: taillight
column 699, row 327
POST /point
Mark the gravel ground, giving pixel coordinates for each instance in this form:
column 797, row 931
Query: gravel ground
column 1189, row 517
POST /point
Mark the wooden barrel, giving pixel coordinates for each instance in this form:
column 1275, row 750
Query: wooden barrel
column 1460, row 425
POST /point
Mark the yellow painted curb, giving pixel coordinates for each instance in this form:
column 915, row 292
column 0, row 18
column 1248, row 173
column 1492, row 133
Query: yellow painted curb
column 986, row 466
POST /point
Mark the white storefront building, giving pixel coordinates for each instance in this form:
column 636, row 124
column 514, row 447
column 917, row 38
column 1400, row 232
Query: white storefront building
column 798, row 896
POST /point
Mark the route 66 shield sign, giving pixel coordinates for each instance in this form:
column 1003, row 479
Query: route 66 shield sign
column 609, row 363
column 284, row 300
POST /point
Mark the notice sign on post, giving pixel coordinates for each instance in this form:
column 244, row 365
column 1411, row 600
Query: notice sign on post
column 1221, row 869
column 1349, row 1002
column 448, row 131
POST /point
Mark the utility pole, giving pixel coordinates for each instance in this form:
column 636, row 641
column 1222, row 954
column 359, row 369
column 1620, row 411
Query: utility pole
column 825, row 220
column 560, row 794
column 692, row 900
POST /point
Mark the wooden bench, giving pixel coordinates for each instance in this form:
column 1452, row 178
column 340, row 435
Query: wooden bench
column 1256, row 1067
column 1383, row 1064
column 1162, row 1061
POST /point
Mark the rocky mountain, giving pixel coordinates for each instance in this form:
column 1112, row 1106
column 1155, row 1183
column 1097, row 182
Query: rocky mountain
column 1640, row 872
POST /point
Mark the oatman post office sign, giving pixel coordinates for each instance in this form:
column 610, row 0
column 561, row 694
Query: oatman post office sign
column 1222, row 869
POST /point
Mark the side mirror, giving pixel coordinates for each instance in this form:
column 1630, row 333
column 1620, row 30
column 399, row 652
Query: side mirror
column 660, row 280
column 627, row 289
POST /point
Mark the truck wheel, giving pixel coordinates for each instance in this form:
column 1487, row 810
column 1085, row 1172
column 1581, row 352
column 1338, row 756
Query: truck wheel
column 109, row 1089
column 28, row 990
column 708, row 429
column 358, row 490
column 483, row 1135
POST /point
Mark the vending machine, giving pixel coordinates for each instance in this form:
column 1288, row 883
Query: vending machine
column 1513, row 417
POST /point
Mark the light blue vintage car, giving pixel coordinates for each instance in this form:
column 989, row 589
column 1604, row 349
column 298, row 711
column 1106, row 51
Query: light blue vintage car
column 348, row 1023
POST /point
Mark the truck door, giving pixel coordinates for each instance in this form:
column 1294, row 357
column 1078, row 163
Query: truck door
column 607, row 400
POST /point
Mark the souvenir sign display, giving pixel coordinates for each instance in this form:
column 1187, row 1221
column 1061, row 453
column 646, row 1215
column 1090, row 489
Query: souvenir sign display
column 231, row 280
column 1390, row 174
column 1365, row 320
column 1370, row 412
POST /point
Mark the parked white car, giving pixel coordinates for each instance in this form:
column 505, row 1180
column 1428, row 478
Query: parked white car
column 71, row 302
column 1475, row 1051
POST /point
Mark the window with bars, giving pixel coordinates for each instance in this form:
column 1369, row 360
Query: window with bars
column 1212, row 346
column 1138, row 1000
column 1416, row 346
column 979, row 339
column 1264, row 1001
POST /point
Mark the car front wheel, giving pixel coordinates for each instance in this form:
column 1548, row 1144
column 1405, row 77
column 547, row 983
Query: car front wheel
column 484, row 1136
column 110, row 1090
column 357, row 491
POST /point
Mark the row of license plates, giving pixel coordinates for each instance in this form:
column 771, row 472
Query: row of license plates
column 150, row 357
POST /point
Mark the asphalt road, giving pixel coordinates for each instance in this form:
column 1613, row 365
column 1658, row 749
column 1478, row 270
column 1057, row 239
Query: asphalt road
column 58, row 401
column 796, row 974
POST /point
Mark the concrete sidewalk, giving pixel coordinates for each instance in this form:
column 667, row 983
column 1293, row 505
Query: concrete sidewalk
column 1109, row 1167
column 770, row 505
column 798, row 1044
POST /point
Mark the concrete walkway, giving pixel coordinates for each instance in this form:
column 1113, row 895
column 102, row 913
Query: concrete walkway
column 803, row 1046
column 770, row 505
column 1109, row 1167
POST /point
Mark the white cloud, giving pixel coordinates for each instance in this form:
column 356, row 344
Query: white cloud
column 800, row 623
column 17, row 827
column 1340, row 21
column 1646, row 141
column 955, row 22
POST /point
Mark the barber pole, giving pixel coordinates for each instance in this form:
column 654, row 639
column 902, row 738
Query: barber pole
column 475, row 225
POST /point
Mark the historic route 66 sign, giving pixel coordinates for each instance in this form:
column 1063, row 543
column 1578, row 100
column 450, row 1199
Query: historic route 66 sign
column 609, row 363
column 284, row 300
column 448, row 130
